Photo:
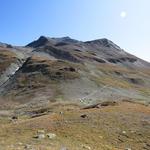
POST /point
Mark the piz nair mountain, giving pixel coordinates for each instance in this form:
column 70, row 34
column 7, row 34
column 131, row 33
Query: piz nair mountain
column 63, row 69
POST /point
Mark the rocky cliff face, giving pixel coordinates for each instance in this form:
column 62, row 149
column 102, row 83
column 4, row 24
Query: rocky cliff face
column 58, row 69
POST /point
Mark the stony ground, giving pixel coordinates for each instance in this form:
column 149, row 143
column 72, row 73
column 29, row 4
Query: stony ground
column 118, row 126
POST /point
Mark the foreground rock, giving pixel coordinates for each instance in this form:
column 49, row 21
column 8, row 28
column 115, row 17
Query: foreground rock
column 51, row 135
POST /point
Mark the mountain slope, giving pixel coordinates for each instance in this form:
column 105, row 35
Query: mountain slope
column 64, row 69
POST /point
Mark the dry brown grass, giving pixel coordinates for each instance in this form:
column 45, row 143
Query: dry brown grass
column 6, row 58
column 101, row 130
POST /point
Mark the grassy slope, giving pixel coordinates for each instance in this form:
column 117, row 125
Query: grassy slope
column 119, row 77
column 101, row 130
column 6, row 58
column 39, row 79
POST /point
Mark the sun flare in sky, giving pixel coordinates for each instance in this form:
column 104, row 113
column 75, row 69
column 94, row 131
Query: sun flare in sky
column 123, row 14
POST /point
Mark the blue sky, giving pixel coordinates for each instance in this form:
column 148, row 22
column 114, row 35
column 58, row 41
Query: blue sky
column 126, row 22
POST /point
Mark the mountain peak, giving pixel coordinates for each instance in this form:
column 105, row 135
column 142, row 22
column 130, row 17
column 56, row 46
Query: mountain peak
column 104, row 42
column 5, row 45
column 42, row 40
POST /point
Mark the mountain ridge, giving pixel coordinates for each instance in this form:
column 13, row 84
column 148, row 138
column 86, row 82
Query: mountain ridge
column 58, row 69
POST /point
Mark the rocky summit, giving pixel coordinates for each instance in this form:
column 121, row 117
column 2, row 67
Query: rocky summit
column 83, row 95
